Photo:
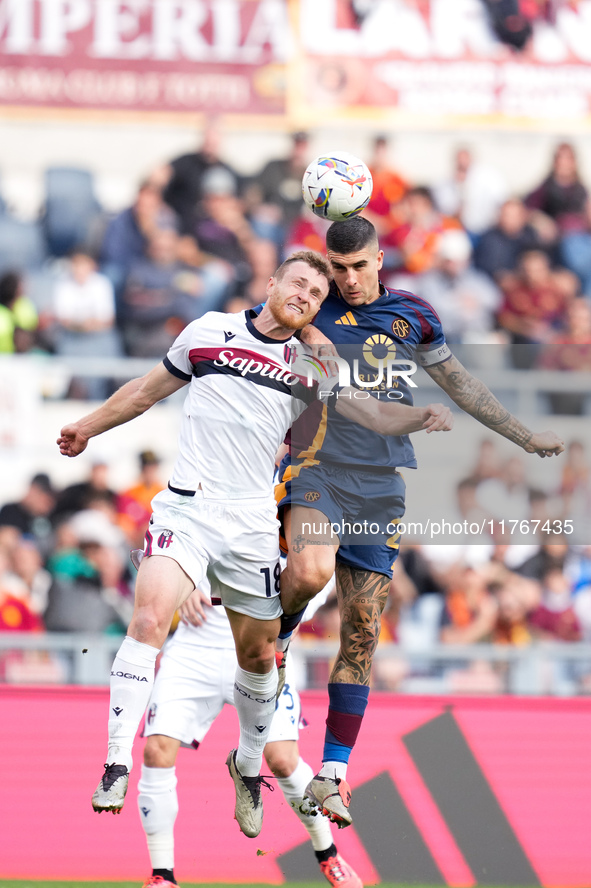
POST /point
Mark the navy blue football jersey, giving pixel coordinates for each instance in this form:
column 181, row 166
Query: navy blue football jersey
column 397, row 327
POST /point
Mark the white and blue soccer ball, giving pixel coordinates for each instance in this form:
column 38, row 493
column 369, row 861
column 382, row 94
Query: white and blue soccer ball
column 337, row 186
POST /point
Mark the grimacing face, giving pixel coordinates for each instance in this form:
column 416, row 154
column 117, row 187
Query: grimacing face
column 357, row 274
column 295, row 299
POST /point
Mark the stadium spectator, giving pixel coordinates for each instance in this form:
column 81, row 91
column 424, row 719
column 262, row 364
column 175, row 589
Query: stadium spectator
column 575, row 486
column 416, row 237
column 561, row 204
column 18, row 614
column 91, row 589
column 127, row 235
column 468, row 507
column 278, row 186
column 388, row 188
column 263, row 259
column 569, row 350
column 463, row 297
column 220, row 228
column 26, row 567
column 18, row 315
column 32, row 514
column 555, row 618
column 499, row 248
column 516, row 598
column 307, row 232
column 83, row 310
column 184, row 176
column 162, row 295
column 534, row 305
column 550, row 555
column 506, row 497
column 133, row 505
column 470, row 611
column 473, row 194
column 488, row 462
column 79, row 496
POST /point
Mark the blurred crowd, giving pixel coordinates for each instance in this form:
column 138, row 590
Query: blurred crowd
column 65, row 567
column 497, row 267
column 502, row 588
column 64, row 557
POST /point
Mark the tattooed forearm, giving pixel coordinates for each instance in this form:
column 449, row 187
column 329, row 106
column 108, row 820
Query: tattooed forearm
column 475, row 398
column 362, row 595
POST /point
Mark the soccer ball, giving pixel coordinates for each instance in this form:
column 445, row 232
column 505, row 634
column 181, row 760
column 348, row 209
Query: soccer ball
column 337, row 186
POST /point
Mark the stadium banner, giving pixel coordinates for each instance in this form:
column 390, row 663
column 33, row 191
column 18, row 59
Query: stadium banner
column 446, row 791
column 429, row 63
column 210, row 56
column 438, row 63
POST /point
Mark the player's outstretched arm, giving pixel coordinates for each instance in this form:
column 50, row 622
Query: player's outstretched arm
column 475, row 398
column 391, row 419
column 131, row 400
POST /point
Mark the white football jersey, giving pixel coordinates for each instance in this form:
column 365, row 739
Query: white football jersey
column 245, row 391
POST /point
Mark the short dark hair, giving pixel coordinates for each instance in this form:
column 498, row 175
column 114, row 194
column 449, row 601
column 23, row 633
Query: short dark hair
column 314, row 260
column 350, row 236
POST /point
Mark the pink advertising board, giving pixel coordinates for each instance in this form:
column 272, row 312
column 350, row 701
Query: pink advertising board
column 446, row 791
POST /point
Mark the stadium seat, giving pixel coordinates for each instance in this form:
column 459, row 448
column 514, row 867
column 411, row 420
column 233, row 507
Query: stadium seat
column 70, row 208
column 22, row 247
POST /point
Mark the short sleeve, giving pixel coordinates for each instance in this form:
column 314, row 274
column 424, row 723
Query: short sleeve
column 177, row 360
column 431, row 348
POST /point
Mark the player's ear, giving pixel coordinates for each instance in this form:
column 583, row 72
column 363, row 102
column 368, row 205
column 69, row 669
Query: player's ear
column 380, row 259
column 270, row 286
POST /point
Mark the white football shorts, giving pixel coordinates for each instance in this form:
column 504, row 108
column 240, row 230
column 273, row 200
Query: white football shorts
column 234, row 544
column 192, row 685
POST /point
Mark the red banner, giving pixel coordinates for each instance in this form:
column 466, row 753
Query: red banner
column 176, row 55
column 437, row 62
column 445, row 792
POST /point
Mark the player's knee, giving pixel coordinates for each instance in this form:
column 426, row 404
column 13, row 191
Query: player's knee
column 150, row 626
column 158, row 753
column 281, row 759
column 308, row 578
column 256, row 658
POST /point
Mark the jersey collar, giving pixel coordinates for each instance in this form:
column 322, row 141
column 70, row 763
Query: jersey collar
column 250, row 314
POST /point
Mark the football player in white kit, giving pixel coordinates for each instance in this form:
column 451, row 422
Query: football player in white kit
column 194, row 681
column 248, row 380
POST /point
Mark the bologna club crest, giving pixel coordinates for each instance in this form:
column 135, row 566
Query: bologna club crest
column 165, row 539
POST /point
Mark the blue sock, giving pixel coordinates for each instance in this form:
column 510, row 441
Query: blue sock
column 289, row 622
column 346, row 708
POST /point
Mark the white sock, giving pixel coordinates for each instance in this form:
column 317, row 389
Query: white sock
column 132, row 677
column 293, row 788
column 254, row 698
column 336, row 770
column 158, row 806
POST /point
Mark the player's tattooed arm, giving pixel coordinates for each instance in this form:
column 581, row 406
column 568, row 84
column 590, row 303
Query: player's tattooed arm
column 362, row 595
column 476, row 399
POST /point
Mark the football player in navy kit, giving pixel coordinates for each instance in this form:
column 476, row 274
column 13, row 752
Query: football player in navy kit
column 339, row 476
